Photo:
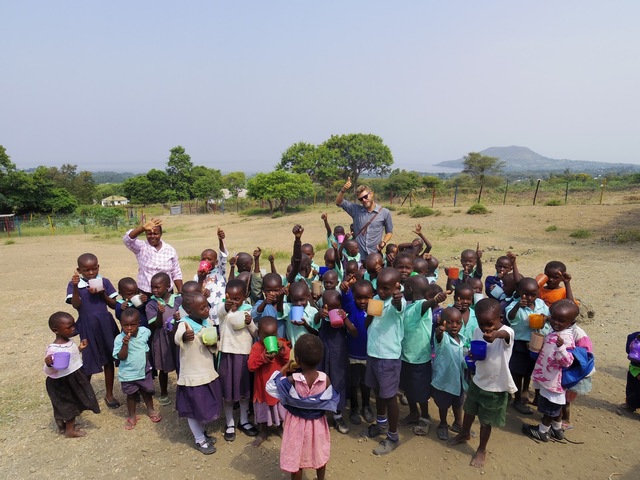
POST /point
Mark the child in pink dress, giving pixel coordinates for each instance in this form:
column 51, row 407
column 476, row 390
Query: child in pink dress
column 305, row 441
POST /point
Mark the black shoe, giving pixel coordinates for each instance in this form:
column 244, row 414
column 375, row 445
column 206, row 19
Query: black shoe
column 557, row 434
column 248, row 429
column 230, row 434
column 206, row 447
column 532, row 431
column 340, row 425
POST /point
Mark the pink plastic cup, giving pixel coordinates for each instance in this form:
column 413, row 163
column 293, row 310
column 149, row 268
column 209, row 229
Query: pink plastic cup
column 335, row 318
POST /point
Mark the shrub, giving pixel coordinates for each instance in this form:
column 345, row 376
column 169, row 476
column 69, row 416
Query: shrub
column 420, row 211
column 581, row 233
column 477, row 209
column 553, row 203
column 551, row 228
column 625, row 236
column 9, row 242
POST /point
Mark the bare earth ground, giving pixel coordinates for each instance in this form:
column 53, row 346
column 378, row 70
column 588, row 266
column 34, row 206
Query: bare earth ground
column 34, row 273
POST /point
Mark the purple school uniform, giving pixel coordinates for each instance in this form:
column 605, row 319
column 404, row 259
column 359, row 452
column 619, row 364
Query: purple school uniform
column 335, row 362
column 121, row 306
column 164, row 351
column 96, row 324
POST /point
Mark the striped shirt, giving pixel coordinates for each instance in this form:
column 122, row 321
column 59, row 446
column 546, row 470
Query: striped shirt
column 152, row 261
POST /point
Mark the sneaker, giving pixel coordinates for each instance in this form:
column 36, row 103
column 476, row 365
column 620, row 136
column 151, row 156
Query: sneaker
column 375, row 430
column 340, row 425
column 386, row 446
column 557, row 434
column 206, row 447
column 532, row 431
column 355, row 418
column 368, row 415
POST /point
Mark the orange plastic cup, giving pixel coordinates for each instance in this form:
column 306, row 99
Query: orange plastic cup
column 454, row 273
column 374, row 307
column 542, row 280
column 536, row 320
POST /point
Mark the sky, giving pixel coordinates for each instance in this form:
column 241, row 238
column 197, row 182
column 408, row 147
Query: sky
column 115, row 85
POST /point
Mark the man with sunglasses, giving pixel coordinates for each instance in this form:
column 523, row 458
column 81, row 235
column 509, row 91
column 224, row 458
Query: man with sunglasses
column 372, row 223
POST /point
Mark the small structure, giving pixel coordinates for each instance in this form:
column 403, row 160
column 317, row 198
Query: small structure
column 114, row 200
column 7, row 223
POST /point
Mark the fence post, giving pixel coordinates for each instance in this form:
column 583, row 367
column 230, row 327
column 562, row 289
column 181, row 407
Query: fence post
column 433, row 197
column 566, row 193
column 455, row 196
column 604, row 184
column 535, row 195
column 506, row 188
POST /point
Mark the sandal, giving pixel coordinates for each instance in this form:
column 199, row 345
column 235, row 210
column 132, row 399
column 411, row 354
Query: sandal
column 248, row 429
column 130, row 423
column 164, row 400
column 522, row 408
column 155, row 416
column 112, row 404
column 443, row 432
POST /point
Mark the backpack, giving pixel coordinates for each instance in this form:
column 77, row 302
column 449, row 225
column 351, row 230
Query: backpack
column 583, row 364
column 633, row 348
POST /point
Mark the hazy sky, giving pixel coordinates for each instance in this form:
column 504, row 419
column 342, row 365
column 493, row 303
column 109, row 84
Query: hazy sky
column 115, row 85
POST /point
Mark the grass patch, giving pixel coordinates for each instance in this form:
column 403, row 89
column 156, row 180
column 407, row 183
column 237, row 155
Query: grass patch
column 477, row 209
column 553, row 203
column 420, row 211
column 9, row 242
column 551, row 228
column 580, row 233
column 625, row 236
column 191, row 258
column 457, row 210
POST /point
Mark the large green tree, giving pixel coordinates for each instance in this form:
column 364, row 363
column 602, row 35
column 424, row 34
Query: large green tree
column 480, row 166
column 358, row 153
column 279, row 186
column 81, row 185
column 179, row 167
column 317, row 162
column 402, row 183
column 207, row 183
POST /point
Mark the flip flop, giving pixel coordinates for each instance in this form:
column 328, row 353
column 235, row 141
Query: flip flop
column 130, row 423
column 155, row 417
column 113, row 404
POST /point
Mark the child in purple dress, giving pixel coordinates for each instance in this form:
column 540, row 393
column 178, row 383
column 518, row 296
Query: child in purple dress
column 160, row 311
column 198, row 394
column 69, row 389
column 128, row 289
column 95, row 322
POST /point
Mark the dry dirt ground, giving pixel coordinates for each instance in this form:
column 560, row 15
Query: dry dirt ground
column 34, row 273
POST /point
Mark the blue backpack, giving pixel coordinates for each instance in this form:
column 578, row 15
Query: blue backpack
column 583, row 364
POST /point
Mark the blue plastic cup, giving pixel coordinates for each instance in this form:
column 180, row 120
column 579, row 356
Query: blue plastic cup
column 478, row 349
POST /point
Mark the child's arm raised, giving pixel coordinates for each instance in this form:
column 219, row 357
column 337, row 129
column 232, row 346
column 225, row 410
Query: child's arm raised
column 327, row 227
column 272, row 263
column 427, row 243
column 517, row 276
column 442, row 326
column 76, row 301
column 566, row 279
column 433, row 303
column 256, row 259
column 478, row 261
column 221, row 245
column 232, row 268
column 297, row 230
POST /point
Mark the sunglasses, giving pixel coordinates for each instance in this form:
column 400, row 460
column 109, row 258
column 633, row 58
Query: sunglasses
column 363, row 198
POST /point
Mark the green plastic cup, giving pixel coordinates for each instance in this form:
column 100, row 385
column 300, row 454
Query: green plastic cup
column 271, row 344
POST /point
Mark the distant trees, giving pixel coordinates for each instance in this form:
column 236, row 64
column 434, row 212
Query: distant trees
column 479, row 166
column 279, row 186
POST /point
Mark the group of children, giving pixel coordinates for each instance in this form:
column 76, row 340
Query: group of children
column 292, row 347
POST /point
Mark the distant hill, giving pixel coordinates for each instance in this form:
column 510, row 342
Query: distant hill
column 523, row 159
column 112, row 177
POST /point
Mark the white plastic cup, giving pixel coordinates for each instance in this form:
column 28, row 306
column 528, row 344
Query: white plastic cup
column 96, row 284
column 136, row 300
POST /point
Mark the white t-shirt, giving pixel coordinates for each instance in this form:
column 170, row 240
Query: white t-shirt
column 492, row 373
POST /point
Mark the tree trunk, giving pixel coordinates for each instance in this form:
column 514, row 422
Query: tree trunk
column 480, row 193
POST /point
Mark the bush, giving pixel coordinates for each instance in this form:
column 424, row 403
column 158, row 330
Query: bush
column 581, row 233
column 553, row 203
column 420, row 211
column 477, row 209
column 551, row 228
column 625, row 236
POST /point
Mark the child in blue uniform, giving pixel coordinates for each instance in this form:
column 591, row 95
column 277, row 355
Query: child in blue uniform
column 384, row 347
column 95, row 322
column 131, row 347
column 127, row 289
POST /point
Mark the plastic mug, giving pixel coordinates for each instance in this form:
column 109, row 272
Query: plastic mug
column 542, row 280
column 295, row 315
column 477, row 297
column 471, row 364
column 335, row 318
column 536, row 342
column 316, row 287
column 374, row 307
column 497, row 292
column 271, row 344
column 323, row 270
column 340, row 239
column 136, row 300
column 96, row 284
column 453, row 273
column 209, row 336
column 205, row 266
column 536, row 320
column 478, row 349
column 61, row 360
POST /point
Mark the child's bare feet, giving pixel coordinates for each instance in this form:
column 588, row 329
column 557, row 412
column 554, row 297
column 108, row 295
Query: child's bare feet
column 462, row 437
column 130, row 423
column 478, row 459
column 61, row 426
column 260, row 439
column 74, row 433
